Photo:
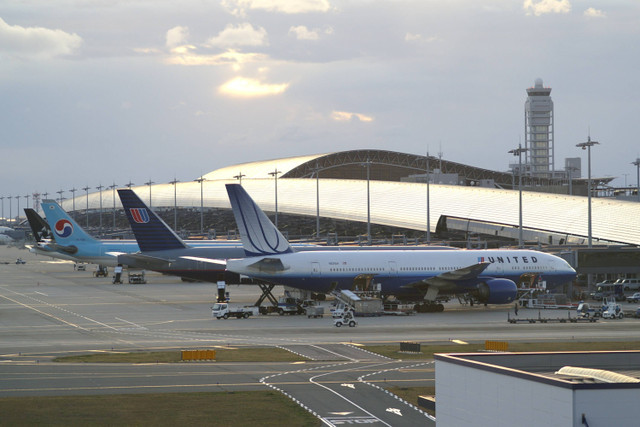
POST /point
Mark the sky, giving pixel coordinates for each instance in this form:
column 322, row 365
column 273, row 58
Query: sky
column 112, row 91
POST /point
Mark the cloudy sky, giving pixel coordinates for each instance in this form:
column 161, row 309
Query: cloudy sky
column 97, row 91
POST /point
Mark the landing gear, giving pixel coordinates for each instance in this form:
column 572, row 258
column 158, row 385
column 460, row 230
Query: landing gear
column 429, row 307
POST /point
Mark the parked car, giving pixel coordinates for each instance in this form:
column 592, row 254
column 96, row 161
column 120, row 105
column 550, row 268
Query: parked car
column 634, row 298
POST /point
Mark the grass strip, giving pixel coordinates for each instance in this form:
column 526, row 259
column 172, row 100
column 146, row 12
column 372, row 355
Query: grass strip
column 263, row 408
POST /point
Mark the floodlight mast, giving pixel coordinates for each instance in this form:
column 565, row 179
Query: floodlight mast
column 587, row 146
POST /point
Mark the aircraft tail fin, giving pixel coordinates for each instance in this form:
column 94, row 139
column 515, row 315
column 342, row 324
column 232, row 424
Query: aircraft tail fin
column 39, row 227
column 65, row 230
column 259, row 235
column 151, row 232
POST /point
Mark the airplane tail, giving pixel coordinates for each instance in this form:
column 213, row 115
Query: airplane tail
column 66, row 231
column 39, row 227
column 151, row 232
column 259, row 235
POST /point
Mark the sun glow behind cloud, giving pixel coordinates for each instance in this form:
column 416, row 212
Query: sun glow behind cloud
column 250, row 88
column 345, row 116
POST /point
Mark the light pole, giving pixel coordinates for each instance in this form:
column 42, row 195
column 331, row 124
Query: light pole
column 26, row 197
column 201, row 180
column 100, row 187
column 368, row 166
column 637, row 165
column 60, row 196
column 129, row 184
column 86, row 189
column 2, row 199
column 239, row 177
column 428, row 201
column 518, row 152
column 113, row 196
column 587, row 146
column 274, row 174
column 73, row 199
column 317, row 200
column 149, row 183
column 175, row 202
column 570, row 169
column 10, row 209
column 18, row 212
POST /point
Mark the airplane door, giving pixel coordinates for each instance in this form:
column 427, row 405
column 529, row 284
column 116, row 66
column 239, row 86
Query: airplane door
column 315, row 268
column 393, row 269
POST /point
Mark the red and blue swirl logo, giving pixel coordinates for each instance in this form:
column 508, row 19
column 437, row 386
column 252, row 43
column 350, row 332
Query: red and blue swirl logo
column 63, row 228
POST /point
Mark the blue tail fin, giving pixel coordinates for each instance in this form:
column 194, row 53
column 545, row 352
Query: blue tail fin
column 65, row 230
column 259, row 235
column 151, row 232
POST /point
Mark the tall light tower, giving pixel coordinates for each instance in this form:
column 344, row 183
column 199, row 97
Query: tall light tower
column 60, row 192
column 18, row 213
column 175, row 202
column 637, row 165
column 10, row 209
column 201, row 180
column 86, row 189
column 149, row 183
column 26, row 200
column 317, row 200
column 428, row 202
column 100, row 187
column 274, row 174
column 2, row 199
column 113, row 196
column 587, row 146
column 73, row 198
column 367, row 164
column 518, row 152
column 239, row 177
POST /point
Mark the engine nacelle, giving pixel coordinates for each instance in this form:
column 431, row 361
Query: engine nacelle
column 497, row 291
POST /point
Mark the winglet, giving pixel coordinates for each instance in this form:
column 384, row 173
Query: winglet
column 151, row 232
column 65, row 230
column 259, row 235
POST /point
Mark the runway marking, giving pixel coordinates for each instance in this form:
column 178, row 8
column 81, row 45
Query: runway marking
column 134, row 324
column 43, row 313
column 56, row 307
column 459, row 342
column 41, row 293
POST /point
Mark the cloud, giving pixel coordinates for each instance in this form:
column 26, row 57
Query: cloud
column 345, row 116
column 238, row 7
column 303, row 33
column 542, row 7
column 241, row 35
column 36, row 42
column 177, row 36
column 594, row 13
column 409, row 37
column 184, row 56
column 249, row 88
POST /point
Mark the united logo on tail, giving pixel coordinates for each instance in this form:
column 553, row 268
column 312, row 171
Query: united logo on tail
column 139, row 215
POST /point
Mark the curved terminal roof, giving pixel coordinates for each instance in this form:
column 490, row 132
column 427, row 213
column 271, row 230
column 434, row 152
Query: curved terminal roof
column 400, row 204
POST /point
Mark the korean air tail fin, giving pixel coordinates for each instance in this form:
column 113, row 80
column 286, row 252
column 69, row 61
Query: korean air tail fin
column 151, row 232
column 259, row 235
column 66, row 231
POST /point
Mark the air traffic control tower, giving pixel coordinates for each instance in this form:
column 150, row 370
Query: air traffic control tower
column 538, row 131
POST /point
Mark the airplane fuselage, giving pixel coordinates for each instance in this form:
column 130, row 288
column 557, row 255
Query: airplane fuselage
column 396, row 271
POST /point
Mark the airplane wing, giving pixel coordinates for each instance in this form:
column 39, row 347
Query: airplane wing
column 143, row 261
column 219, row 262
column 269, row 264
column 447, row 280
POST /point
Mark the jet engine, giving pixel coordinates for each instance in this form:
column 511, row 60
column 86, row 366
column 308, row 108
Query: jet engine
column 497, row 291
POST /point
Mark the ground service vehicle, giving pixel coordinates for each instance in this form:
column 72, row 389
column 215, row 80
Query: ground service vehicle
column 612, row 311
column 286, row 305
column 586, row 311
column 628, row 284
column 634, row 298
column 609, row 290
column 223, row 310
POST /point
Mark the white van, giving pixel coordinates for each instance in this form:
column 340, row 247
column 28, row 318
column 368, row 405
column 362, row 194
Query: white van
column 628, row 284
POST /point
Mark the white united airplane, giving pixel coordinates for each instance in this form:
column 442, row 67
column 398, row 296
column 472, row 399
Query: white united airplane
column 489, row 276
